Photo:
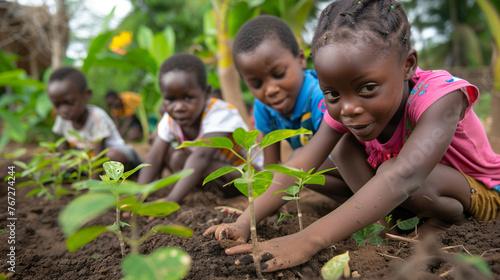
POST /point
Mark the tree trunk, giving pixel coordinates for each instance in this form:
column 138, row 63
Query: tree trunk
column 58, row 31
column 494, row 129
column 229, row 77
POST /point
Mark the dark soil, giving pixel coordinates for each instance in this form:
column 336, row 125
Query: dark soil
column 41, row 251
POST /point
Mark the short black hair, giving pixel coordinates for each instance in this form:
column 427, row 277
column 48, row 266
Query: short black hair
column 381, row 23
column 72, row 74
column 255, row 31
column 111, row 94
column 187, row 63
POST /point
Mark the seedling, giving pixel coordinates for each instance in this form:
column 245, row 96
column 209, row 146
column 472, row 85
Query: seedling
column 252, row 183
column 370, row 234
column 303, row 178
column 337, row 267
column 281, row 218
column 114, row 191
column 51, row 168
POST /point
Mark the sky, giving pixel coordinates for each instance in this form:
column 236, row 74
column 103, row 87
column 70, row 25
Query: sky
column 83, row 16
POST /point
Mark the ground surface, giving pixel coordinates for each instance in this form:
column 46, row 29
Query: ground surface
column 41, row 251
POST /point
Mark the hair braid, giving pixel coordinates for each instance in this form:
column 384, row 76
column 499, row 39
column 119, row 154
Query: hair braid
column 382, row 23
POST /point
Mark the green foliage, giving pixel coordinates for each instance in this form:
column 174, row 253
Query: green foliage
column 50, row 169
column 24, row 106
column 165, row 263
column 369, row 235
column 281, row 218
column 251, row 183
column 477, row 262
column 303, row 178
column 260, row 181
column 115, row 191
column 337, row 267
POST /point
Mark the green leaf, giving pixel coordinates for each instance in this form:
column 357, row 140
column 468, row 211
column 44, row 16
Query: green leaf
column 220, row 172
column 156, row 209
column 83, row 209
column 289, row 198
column 130, row 172
column 114, row 169
column 43, row 106
column 84, row 236
column 169, row 34
column 34, row 191
column 125, row 187
column 216, row 142
column 244, row 138
column 238, row 15
column 159, row 184
column 141, row 58
column 476, row 261
column 281, row 134
column 95, row 47
column 129, row 203
column 15, row 127
column 336, row 267
column 292, row 190
column 160, row 48
column 164, row 263
column 260, row 183
column 174, row 229
column 145, row 37
column 297, row 173
column 408, row 224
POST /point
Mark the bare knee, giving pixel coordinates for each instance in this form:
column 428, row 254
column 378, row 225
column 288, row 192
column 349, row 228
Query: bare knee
column 177, row 159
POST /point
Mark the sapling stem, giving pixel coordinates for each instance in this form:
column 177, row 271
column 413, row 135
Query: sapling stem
column 119, row 230
column 253, row 233
column 299, row 215
column 134, row 245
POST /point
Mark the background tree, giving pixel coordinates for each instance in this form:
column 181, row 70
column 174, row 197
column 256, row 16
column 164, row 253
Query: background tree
column 491, row 10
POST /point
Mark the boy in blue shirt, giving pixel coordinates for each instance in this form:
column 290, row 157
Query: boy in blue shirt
column 269, row 60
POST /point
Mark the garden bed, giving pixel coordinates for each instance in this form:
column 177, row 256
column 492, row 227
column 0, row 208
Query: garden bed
column 41, row 251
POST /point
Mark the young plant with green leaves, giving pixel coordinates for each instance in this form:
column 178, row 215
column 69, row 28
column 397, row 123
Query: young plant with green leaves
column 370, row 234
column 115, row 191
column 50, row 169
column 252, row 183
column 303, row 178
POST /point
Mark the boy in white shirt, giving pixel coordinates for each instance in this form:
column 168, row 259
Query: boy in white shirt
column 191, row 114
column 69, row 93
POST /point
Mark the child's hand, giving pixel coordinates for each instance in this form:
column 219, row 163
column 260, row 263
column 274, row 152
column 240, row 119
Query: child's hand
column 232, row 231
column 279, row 253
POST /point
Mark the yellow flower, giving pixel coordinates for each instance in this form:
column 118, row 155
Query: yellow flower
column 120, row 41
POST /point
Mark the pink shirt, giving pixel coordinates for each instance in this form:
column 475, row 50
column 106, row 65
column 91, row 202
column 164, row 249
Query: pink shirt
column 469, row 152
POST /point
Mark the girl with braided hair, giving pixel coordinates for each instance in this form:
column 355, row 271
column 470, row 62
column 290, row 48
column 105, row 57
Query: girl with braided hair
column 403, row 137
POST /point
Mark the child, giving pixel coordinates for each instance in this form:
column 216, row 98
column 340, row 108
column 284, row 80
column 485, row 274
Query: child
column 190, row 115
column 406, row 137
column 269, row 60
column 69, row 93
column 123, row 110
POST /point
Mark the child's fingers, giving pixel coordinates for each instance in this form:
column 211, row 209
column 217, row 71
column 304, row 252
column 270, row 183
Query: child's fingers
column 240, row 249
column 210, row 230
column 266, row 260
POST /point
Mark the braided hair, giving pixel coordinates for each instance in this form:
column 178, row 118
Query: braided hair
column 188, row 63
column 380, row 23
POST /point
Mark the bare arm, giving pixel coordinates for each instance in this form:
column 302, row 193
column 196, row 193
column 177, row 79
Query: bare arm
column 312, row 155
column 385, row 191
column 126, row 124
column 156, row 157
column 272, row 154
